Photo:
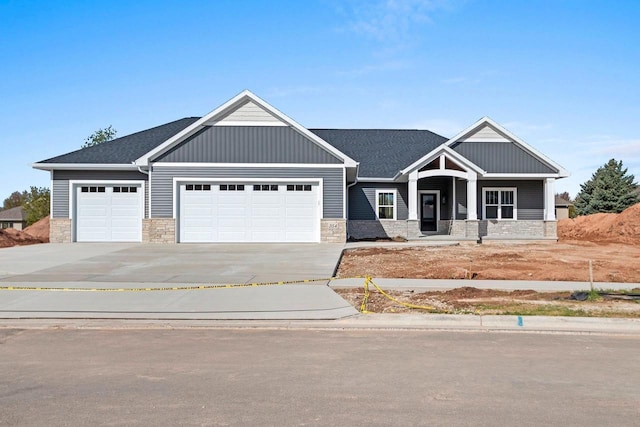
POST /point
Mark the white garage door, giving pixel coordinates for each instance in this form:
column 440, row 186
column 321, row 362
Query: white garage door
column 249, row 212
column 108, row 213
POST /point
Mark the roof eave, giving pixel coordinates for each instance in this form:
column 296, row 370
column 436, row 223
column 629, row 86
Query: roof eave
column 84, row 166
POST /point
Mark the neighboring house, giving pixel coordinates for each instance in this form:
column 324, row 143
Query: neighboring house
column 248, row 173
column 562, row 208
column 13, row 218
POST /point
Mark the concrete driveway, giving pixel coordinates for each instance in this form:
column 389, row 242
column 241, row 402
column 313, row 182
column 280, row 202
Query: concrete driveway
column 113, row 265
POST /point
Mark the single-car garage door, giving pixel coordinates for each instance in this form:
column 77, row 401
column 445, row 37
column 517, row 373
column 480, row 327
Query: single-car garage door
column 108, row 213
column 249, row 212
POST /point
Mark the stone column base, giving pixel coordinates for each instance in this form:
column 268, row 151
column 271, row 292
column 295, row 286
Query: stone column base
column 333, row 230
column 551, row 229
column 159, row 230
column 472, row 229
column 60, row 230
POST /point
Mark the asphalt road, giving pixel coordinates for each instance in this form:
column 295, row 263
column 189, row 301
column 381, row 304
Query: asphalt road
column 342, row 378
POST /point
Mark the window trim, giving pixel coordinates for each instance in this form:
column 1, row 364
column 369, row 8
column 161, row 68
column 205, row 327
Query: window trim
column 394, row 191
column 499, row 205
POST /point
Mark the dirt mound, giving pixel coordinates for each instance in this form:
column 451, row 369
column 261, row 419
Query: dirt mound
column 39, row 230
column 603, row 227
column 10, row 237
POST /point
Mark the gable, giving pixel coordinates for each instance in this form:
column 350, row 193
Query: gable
column 496, row 150
column 484, row 134
column 246, row 110
column 501, row 157
column 248, row 144
column 248, row 113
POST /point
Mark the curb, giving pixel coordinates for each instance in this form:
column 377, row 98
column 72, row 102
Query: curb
column 381, row 322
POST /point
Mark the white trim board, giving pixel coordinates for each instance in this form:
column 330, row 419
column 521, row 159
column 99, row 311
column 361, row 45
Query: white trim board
column 84, row 166
column 247, row 165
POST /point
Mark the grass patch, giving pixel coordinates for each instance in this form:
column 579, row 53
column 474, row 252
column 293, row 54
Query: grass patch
column 548, row 310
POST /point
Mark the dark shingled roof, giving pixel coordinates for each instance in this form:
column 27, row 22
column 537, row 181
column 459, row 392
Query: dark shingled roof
column 13, row 214
column 126, row 149
column 382, row 153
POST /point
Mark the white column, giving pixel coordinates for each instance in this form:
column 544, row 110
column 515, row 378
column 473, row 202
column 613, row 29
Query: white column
column 454, row 204
column 549, row 200
column 472, row 197
column 413, row 196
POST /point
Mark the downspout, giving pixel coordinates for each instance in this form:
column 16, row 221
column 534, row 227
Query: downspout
column 348, row 187
column 148, row 190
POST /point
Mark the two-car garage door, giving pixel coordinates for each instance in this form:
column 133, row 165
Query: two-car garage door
column 249, row 212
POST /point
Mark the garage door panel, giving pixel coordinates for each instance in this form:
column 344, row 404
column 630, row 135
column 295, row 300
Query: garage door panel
column 105, row 215
column 249, row 215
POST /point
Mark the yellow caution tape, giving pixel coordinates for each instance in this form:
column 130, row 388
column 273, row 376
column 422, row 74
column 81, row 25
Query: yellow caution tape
column 367, row 293
column 172, row 288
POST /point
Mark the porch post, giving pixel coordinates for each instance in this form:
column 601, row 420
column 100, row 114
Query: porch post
column 549, row 200
column 472, row 195
column 413, row 196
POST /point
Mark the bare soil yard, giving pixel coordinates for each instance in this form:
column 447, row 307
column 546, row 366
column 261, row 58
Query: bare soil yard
column 610, row 241
column 565, row 260
column 469, row 300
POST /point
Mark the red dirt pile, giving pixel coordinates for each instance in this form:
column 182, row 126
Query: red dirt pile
column 40, row 229
column 603, row 227
column 36, row 233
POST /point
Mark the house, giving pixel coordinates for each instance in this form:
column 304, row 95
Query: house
column 13, row 218
column 562, row 208
column 247, row 172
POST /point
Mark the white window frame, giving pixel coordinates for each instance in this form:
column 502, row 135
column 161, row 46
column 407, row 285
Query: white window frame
column 394, row 191
column 499, row 205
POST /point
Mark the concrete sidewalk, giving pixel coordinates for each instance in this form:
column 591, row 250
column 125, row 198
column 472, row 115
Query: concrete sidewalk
column 295, row 301
column 444, row 284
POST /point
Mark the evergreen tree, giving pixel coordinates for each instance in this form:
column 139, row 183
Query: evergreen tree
column 610, row 189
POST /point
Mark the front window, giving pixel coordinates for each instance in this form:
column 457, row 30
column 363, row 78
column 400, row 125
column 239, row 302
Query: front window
column 500, row 203
column 386, row 204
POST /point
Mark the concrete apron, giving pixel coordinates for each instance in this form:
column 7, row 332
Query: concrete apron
column 278, row 302
column 157, row 266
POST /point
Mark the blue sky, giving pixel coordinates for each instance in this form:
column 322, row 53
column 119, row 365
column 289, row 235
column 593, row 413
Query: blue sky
column 564, row 75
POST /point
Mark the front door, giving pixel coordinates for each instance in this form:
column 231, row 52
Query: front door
column 429, row 216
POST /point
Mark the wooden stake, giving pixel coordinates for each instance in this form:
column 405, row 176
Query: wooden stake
column 591, row 274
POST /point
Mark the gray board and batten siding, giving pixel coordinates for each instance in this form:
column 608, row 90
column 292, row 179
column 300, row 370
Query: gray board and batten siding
column 501, row 157
column 249, row 144
column 162, row 183
column 61, row 180
column 362, row 200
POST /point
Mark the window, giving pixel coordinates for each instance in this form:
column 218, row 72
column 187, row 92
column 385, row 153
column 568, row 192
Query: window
column 231, row 187
column 299, row 187
column 265, row 187
column 188, row 187
column 386, row 204
column 499, row 203
column 92, row 189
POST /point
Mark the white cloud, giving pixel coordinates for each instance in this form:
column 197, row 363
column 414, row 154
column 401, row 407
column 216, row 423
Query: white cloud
column 389, row 20
column 372, row 68
column 620, row 149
